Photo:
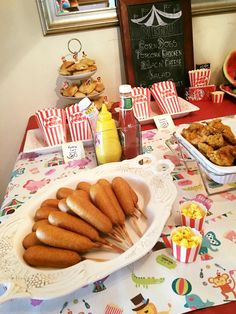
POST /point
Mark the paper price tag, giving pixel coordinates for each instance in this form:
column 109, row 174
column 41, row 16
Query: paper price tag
column 164, row 122
column 73, row 151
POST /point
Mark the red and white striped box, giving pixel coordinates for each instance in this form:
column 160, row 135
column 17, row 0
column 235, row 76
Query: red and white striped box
column 193, row 214
column 185, row 253
column 78, row 124
column 200, row 77
column 52, row 122
column 113, row 309
column 141, row 102
column 166, row 96
column 217, row 97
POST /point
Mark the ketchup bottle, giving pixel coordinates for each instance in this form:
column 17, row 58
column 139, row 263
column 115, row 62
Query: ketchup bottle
column 129, row 127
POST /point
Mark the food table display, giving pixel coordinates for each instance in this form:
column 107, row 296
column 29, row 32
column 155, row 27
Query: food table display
column 154, row 281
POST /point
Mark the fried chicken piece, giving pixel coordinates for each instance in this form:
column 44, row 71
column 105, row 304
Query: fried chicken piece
column 205, row 149
column 216, row 140
column 225, row 130
column 222, row 156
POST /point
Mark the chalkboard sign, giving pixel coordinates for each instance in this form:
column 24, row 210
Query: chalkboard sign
column 157, row 41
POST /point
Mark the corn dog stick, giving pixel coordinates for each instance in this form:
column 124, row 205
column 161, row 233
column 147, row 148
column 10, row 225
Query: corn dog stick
column 100, row 199
column 126, row 234
column 64, row 239
column 123, row 194
column 135, row 200
column 112, row 247
column 136, row 226
column 89, row 212
column 113, row 199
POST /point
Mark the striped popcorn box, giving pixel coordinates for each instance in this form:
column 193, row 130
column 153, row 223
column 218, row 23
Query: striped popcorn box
column 113, row 309
column 166, row 96
column 199, row 78
column 193, row 214
column 217, row 97
column 185, row 244
column 78, row 124
column 52, row 122
column 141, row 102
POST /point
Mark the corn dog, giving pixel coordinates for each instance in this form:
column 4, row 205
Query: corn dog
column 44, row 256
column 85, row 186
column 113, row 199
column 72, row 223
column 51, row 202
column 122, row 191
column 100, row 199
column 89, row 212
column 63, row 193
column 43, row 212
column 63, row 206
column 39, row 223
column 30, row 240
column 64, row 239
column 83, row 193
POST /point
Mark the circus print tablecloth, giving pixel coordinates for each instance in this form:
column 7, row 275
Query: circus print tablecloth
column 156, row 283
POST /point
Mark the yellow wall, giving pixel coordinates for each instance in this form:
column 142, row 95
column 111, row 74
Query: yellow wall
column 29, row 66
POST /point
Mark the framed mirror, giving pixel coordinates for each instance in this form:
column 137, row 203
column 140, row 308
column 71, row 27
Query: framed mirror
column 60, row 16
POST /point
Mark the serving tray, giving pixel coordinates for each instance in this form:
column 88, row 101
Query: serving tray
column 153, row 184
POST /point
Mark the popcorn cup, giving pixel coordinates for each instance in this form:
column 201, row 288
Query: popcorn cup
column 52, row 122
column 217, row 97
column 193, row 214
column 185, row 244
column 166, row 96
column 113, row 309
column 78, row 124
column 198, row 78
column 141, row 102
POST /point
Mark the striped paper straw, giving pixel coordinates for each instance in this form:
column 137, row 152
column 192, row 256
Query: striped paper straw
column 78, row 124
column 199, row 78
column 166, row 96
column 141, row 102
column 52, row 122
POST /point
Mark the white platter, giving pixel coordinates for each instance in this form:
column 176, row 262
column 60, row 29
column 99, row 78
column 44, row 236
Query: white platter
column 219, row 174
column 226, row 91
column 34, row 142
column 92, row 97
column 156, row 191
column 186, row 108
column 81, row 76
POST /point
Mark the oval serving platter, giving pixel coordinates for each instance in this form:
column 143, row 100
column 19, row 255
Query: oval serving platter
column 156, row 191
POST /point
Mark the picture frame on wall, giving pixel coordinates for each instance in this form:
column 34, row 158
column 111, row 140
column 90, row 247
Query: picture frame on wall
column 157, row 41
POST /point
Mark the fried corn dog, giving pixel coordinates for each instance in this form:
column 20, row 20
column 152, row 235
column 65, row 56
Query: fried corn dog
column 100, row 199
column 89, row 212
column 51, row 202
column 64, row 239
column 113, row 199
column 30, row 240
column 75, row 224
column 44, row 256
column 122, row 191
column 43, row 212
column 40, row 223
column 63, row 192
column 85, row 186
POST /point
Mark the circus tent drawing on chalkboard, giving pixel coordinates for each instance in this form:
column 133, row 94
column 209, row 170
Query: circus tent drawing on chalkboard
column 156, row 17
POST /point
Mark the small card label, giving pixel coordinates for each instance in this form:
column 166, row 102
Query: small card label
column 164, row 122
column 73, row 151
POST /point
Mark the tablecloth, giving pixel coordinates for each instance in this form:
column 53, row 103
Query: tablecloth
column 156, row 283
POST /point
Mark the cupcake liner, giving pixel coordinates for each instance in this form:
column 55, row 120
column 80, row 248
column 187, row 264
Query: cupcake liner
column 217, row 97
column 185, row 254
column 141, row 102
column 166, row 96
column 197, row 223
column 52, row 122
column 78, row 124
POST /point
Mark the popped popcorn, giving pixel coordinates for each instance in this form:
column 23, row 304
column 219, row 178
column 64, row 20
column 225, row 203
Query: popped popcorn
column 193, row 210
column 185, row 236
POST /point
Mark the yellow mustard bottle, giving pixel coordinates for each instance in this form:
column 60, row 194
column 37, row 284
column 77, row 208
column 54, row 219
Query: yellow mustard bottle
column 107, row 143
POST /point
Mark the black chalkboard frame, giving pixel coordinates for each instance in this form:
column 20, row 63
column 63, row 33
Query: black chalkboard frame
column 122, row 10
